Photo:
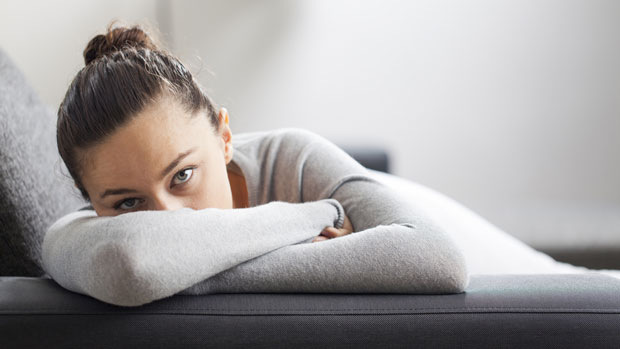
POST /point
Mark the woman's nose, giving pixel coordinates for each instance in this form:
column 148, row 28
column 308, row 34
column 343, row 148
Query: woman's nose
column 167, row 203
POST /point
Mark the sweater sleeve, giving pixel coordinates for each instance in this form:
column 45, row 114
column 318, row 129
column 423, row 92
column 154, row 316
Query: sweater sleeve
column 427, row 256
column 138, row 257
column 394, row 247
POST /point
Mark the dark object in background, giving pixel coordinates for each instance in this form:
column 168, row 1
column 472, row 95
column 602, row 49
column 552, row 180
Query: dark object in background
column 600, row 258
column 372, row 157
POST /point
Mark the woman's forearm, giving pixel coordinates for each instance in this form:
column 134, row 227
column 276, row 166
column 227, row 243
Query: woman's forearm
column 138, row 257
column 386, row 259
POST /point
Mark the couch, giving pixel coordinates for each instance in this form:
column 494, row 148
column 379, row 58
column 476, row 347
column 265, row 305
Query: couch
column 530, row 301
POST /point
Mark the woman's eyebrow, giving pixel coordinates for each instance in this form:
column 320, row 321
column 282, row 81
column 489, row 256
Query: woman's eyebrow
column 117, row 192
column 175, row 162
column 163, row 174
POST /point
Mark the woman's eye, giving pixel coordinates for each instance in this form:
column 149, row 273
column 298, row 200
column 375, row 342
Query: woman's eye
column 183, row 176
column 128, row 204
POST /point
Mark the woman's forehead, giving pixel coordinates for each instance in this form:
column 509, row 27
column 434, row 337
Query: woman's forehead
column 147, row 144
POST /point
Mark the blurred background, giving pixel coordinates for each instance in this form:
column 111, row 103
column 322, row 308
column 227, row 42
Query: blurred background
column 510, row 107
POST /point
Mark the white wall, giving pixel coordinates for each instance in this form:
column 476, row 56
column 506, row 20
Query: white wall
column 511, row 107
column 46, row 38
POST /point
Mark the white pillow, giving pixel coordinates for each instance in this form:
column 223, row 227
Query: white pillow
column 487, row 249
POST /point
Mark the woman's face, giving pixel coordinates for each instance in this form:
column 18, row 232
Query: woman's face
column 163, row 159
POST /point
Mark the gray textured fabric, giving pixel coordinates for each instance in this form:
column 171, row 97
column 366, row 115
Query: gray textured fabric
column 135, row 258
column 496, row 311
column 33, row 192
column 138, row 257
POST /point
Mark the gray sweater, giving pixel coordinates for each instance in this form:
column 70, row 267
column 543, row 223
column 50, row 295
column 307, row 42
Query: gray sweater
column 298, row 183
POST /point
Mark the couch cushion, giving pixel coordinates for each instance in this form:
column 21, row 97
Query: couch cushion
column 33, row 190
column 496, row 311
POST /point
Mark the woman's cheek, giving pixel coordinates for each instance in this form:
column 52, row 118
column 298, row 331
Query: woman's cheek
column 203, row 191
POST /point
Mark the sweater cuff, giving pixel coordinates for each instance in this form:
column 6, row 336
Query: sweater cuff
column 339, row 222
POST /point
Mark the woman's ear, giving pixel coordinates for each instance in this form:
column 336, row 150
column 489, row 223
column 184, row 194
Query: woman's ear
column 226, row 134
column 222, row 118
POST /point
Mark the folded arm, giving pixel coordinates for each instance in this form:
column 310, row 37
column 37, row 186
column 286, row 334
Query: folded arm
column 393, row 242
column 412, row 255
column 139, row 257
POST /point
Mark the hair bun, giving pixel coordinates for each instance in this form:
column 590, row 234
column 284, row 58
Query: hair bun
column 115, row 40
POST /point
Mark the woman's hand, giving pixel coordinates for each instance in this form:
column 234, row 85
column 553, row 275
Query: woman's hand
column 331, row 232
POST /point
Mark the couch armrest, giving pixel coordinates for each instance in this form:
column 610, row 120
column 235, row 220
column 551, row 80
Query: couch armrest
column 372, row 157
column 542, row 310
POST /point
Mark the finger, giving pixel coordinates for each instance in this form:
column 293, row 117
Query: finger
column 347, row 224
column 331, row 232
column 319, row 238
column 334, row 233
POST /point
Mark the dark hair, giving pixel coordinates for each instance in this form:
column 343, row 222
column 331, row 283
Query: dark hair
column 125, row 71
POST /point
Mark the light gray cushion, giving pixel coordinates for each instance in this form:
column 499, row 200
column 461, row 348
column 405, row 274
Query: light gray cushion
column 35, row 189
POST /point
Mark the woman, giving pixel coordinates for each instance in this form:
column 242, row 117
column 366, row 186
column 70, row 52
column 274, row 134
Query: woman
column 179, row 205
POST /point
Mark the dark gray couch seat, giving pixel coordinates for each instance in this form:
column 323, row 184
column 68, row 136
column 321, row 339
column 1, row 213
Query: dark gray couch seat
column 553, row 310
